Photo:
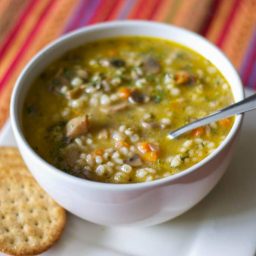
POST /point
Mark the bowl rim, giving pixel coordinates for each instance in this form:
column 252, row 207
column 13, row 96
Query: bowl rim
column 19, row 136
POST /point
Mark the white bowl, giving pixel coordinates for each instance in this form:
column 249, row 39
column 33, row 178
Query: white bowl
column 125, row 204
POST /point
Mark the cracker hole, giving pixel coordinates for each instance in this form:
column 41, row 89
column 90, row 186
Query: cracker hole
column 31, row 210
column 27, row 199
column 7, row 230
column 26, row 239
column 2, row 217
column 12, row 201
column 8, row 189
column 36, row 223
column 41, row 196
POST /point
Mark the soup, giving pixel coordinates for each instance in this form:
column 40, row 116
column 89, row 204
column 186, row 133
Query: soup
column 103, row 111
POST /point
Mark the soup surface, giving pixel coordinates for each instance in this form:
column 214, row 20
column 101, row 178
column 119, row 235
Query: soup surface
column 103, row 111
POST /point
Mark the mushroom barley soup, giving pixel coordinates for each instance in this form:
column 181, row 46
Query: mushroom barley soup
column 102, row 111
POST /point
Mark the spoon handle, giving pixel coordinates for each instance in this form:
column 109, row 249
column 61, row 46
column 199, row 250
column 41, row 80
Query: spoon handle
column 242, row 106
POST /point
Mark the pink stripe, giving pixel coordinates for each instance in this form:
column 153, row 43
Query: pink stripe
column 13, row 33
column 113, row 9
column 97, row 17
column 140, row 7
column 89, row 13
column 228, row 23
column 73, row 17
column 154, row 9
column 254, row 77
column 124, row 12
column 252, row 80
column 26, row 44
column 81, row 9
column 210, row 17
column 249, row 66
column 248, row 59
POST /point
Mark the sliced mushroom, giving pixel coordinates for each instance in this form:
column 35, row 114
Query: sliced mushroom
column 134, row 160
column 77, row 126
column 150, row 125
column 117, row 63
column 151, row 65
column 75, row 93
column 71, row 154
column 105, row 85
column 115, row 108
column 82, row 73
column 31, row 109
column 103, row 134
column 183, row 77
column 138, row 97
column 154, row 147
column 61, row 75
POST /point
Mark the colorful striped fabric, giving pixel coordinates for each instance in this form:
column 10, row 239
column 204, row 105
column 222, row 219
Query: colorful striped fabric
column 28, row 25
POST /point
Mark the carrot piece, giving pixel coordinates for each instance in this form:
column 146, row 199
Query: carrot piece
column 176, row 104
column 225, row 122
column 120, row 144
column 198, row 131
column 150, row 156
column 154, row 147
column 112, row 53
column 183, row 77
column 98, row 152
column 144, row 147
column 124, row 92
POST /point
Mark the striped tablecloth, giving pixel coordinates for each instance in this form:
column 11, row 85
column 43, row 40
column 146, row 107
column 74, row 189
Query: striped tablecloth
column 28, row 25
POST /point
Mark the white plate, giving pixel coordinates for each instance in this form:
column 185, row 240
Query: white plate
column 224, row 223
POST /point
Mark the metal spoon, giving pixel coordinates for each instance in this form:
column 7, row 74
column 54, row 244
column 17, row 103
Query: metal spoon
column 242, row 106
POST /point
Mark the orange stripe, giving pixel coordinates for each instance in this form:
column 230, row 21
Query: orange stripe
column 199, row 15
column 183, row 15
column 173, row 10
column 4, row 6
column 227, row 26
column 163, row 10
column 210, row 17
column 9, row 13
column 216, row 26
column 242, row 28
column 135, row 9
column 13, row 33
column 115, row 12
column 154, row 9
column 102, row 11
column 21, row 36
column 191, row 14
column 26, row 45
column 53, row 26
column 144, row 9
